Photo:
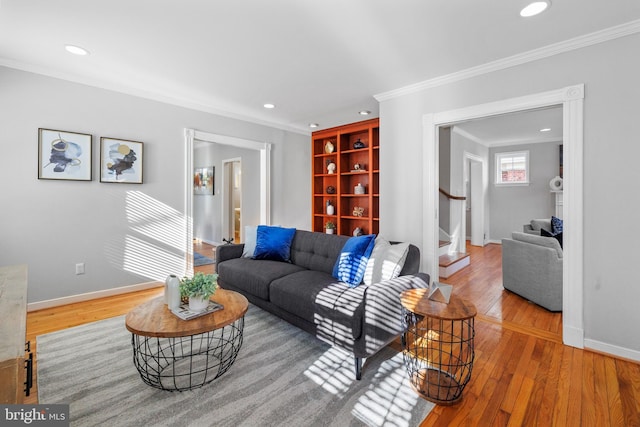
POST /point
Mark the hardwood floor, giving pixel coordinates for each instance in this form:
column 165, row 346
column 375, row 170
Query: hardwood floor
column 522, row 375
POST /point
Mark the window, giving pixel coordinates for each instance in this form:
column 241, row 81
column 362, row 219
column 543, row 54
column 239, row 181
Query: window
column 512, row 168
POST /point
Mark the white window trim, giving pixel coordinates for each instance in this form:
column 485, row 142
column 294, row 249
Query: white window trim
column 498, row 171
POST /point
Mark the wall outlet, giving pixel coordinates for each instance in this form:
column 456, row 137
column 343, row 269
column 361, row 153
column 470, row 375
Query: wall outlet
column 80, row 268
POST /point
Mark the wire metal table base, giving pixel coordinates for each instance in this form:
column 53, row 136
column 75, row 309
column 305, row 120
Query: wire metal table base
column 189, row 362
column 438, row 355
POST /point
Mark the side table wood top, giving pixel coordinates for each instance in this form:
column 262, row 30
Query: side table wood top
column 154, row 319
column 417, row 301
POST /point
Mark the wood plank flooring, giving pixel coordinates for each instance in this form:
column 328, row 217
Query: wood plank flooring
column 522, row 375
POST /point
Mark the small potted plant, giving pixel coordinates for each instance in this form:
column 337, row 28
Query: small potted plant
column 199, row 289
column 329, row 227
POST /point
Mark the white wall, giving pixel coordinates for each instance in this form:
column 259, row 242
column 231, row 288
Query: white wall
column 609, row 71
column 513, row 206
column 207, row 210
column 124, row 233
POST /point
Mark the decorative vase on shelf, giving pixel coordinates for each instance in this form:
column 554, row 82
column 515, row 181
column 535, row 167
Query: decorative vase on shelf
column 329, row 147
column 358, row 189
column 357, row 232
column 331, row 189
column 556, row 184
column 358, row 144
column 331, row 167
column 330, row 208
column 172, row 292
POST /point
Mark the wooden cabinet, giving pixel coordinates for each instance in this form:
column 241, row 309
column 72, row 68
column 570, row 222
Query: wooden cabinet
column 344, row 158
column 13, row 306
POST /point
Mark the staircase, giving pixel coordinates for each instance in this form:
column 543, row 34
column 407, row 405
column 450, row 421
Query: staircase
column 451, row 262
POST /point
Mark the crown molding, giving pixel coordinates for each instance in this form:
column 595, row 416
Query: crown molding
column 586, row 40
column 153, row 95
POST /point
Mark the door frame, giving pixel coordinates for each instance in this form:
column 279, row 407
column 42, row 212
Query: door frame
column 478, row 207
column 227, row 184
column 572, row 100
column 190, row 135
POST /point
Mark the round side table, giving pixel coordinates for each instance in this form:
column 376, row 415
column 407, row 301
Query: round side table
column 438, row 345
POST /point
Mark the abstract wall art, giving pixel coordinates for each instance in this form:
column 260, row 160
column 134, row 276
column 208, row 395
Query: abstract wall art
column 64, row 155
column 204, row 181
column 120, row 161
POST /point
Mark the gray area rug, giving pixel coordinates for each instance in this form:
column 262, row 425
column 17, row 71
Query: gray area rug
column 282, row 377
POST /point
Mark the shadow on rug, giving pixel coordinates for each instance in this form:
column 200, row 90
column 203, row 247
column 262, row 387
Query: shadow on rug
column 282, row 377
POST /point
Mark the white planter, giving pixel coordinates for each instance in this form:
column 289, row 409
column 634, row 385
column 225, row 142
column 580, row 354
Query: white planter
column 198, row 304
column 329, row 230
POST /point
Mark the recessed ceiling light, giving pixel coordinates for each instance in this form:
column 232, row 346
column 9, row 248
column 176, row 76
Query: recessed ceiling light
column 269, row 106
column 534, row 8
column 76, row 50
column 545, row 130
column 313, row 125
column 364, row 112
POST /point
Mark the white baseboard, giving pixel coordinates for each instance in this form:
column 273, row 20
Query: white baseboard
column 39, row 305
column 602, row 347
column 497, row 242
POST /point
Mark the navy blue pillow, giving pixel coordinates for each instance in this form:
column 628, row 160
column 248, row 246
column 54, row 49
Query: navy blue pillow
column 352, row 262
column 558, row 236
column 556, row 225
column 274, row 243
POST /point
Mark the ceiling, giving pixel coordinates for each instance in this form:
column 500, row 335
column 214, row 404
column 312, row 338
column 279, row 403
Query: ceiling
column 317, row 61
column 515, row 128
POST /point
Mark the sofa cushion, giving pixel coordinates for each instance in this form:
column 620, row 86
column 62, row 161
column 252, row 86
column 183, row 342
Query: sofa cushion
column 386, row 261
column 557, row 236
column 316, row 251
column 253, row 276
column 556, row 225
column 274, row 243
column 352, row 262
column 318, row 298
column 250, row 235
column 538, row 224
column 538, row 240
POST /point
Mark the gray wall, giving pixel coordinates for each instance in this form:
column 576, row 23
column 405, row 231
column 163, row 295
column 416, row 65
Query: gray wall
column 609, row 71
column 124, row 233
column 513, row 206
column 207, row 210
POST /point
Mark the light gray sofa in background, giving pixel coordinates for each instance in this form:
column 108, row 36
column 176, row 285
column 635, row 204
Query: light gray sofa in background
column 536, row 225
column 532, row 268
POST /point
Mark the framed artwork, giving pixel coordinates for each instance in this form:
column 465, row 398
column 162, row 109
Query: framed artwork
column 204, row 181
column 121, row 161
column 64, row 155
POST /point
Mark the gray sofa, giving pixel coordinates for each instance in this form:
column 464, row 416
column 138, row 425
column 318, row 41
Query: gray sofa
column 536, row 225
column 532, row 268
column 360, row 320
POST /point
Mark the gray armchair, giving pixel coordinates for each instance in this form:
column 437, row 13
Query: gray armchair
column 532, row 268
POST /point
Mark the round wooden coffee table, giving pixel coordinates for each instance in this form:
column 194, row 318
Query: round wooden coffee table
column 438, row 343
column 176, row 355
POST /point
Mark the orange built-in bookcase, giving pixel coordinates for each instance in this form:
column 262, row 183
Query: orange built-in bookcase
column 336, row 145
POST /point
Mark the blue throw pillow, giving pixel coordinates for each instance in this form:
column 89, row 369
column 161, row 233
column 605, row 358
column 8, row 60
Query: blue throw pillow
column 352, row 262
column 556, row 225
column 274, row 243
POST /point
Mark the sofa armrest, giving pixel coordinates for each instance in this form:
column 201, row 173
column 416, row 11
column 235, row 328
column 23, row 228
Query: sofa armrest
column 230, row 251
column 383, row 310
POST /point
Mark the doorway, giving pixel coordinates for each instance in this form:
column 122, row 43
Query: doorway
column 474, row 172
column 572, row 100
column 232, row 200
column 263, row 196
